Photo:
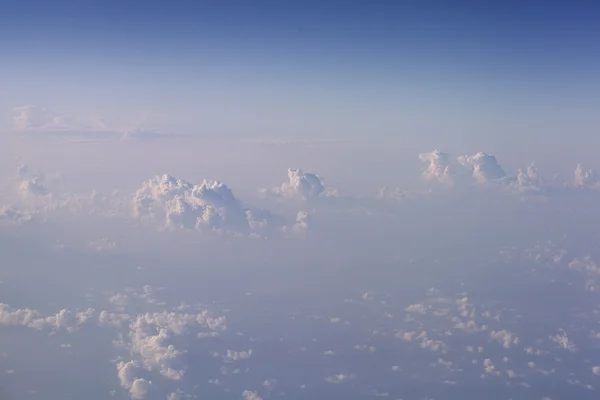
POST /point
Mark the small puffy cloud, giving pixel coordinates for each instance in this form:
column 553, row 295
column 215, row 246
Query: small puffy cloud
column 300, row 184
column 176, row 395
column 339, row 378
column 302, row 221
column 13, row 216
column 250, row 395
column 102, row 245
column 584, row 177
column 596, row 370
column 485, row 167
column 139, row 389
column 438, row 166
column 33, row 187
column 63, row 320
column 237, row 355
column 529, row 178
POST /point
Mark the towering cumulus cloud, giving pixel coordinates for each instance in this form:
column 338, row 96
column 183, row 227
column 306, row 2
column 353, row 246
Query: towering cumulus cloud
column 300, row 184
column 584, row 177
column 438, row 166
column 529, row 179
column 485, row 167
column 210, row 206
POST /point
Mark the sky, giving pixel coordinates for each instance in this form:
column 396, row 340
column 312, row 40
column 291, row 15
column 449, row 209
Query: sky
column 265, row 200
column 408, row 71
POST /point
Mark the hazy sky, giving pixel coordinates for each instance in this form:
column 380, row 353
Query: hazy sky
column 244, row 200
column 413, row 71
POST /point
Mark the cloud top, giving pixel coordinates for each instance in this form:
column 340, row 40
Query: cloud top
column 485, row 167
column 438, row 166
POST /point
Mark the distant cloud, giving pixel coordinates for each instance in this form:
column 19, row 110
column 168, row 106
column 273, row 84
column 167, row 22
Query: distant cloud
column 438, row 167
column 302, row 185
column 143, row 135
column 176, row 204
column 485, row 167
column 34, row 120
column 529, row 178
column 584, row 177
column 14, row 216
column 339, row 378
column 33, row 117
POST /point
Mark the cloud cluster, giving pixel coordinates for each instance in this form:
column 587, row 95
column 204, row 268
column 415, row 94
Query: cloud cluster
column 210, row 205
column 63, row 320
column 485, row 167
column 584, row 177
column 438, row 167
column 152, row 341
column 302, row 185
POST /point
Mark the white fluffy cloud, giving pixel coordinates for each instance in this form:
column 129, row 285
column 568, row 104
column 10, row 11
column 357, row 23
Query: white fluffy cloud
column 584, row 177
column 63, row 320
column 300, row 184
column 485, row 167
column 210, row 206
column 438, row 167
column 529, row 179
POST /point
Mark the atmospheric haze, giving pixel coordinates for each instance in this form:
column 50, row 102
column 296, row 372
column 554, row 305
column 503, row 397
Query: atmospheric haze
column 317, row 202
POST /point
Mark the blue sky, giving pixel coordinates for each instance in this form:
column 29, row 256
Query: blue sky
column 352, row 69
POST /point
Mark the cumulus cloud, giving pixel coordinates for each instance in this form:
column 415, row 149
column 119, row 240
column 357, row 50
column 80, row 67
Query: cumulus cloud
column 210, row 206
column 300, row 184
column 584, row 177
column 150, row 335
column 63, row 320
column 13, row 216
column 438, row 167
column 529, row 178
column 250, row 395
column 485, row 167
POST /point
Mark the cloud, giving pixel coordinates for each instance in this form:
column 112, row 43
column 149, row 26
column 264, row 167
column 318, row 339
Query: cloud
column 13, row 216
column 210, row 206
column 438, row 167
column 43, row 122
column 32, row 118
column 143, row 135
column 303, row 185
column 339, row 378
column 63, row 320
column 485, row 167
column 529, row 179
column 250, row 395
column 584, row 177
column 33, row 187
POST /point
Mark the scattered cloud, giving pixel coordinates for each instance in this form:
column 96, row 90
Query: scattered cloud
column 438, row 167
column 302, row 185
column 484, row 166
